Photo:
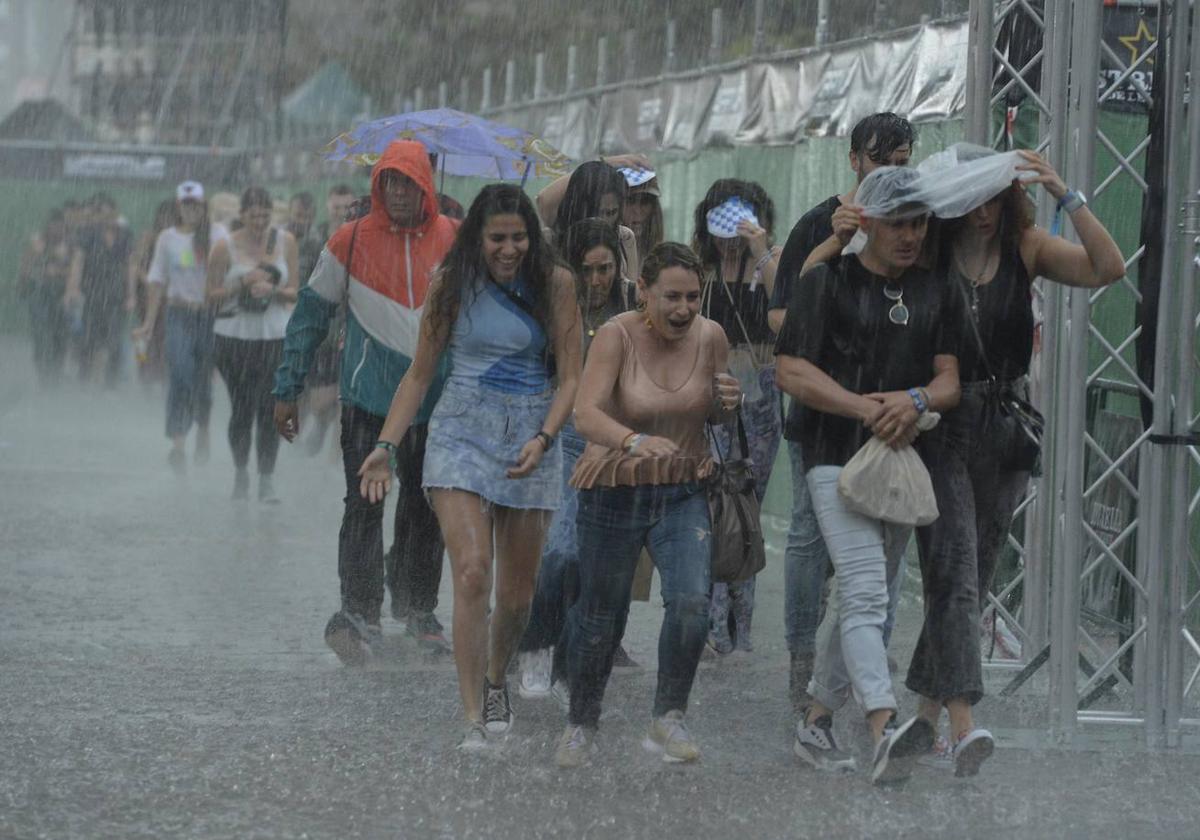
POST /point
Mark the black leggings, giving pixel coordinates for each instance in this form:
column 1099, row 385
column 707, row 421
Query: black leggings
column 248, row 368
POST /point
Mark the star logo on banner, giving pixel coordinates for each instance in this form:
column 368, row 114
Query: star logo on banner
column 1140, row 41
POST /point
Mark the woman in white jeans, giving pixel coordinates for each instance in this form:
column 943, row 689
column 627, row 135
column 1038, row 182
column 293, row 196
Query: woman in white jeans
column 870, row 343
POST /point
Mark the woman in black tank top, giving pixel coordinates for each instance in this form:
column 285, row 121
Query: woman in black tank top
column 991, row 254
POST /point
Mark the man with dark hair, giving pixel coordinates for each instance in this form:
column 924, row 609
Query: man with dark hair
column 883, row 139
column 106, row 246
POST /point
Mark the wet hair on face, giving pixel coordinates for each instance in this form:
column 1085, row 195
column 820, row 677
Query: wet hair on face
column 585, row 189
column 880, row 135
column 257, row 197
column 721, row 191
column 670, row 255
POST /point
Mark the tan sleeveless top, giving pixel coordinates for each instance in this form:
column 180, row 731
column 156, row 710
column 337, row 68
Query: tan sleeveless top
column 646, row 407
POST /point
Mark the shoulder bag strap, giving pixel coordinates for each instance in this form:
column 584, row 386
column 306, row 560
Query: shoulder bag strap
column 974, row 330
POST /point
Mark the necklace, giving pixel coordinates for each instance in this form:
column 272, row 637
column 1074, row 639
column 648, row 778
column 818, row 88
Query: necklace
column 977, row 280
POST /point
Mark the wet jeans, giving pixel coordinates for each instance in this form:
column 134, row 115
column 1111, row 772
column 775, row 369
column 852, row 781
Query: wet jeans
column 866, row 553
column 416, row 556
column 189, row 341
column 976, row 500
column 614, row 523
column 806, row 565
column 558, row 576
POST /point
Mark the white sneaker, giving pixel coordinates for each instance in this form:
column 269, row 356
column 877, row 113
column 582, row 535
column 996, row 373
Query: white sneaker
column 971, row 751
column 535, row 673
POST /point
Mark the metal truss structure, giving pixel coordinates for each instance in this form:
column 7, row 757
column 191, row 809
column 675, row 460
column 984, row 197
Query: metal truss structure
column 1132, row 675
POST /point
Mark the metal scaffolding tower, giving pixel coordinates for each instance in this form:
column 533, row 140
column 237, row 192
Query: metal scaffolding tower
column 1135, row 678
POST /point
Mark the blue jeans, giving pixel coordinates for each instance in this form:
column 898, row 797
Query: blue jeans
column 851, row 650
column 806, row 565
column 614, row 523
column 189, row 351
column 558, row 576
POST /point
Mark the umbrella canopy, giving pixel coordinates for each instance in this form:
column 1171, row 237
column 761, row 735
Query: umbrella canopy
column 465, row 144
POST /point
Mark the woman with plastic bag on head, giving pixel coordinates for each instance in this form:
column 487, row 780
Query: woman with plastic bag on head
column 868, row 346
column 990, row 252
column 733, row 238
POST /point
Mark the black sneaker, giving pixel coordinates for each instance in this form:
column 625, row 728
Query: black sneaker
column 428, row 631
column 900, row 748
column 497, row 711
column 816, row 745
column 348, row 635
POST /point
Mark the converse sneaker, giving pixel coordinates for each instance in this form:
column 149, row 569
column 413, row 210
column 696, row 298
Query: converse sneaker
column 899, row 749
column 815, row 745
column 474, row 739
column 427, row 630
column 669, row 737
column 940, row 755
column 349, row 636
column 535, row 673
column 497, row 711
column 575, row 746
column 971, row 751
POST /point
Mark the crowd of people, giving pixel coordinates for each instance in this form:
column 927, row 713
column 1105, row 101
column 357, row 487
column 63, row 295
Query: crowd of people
column 550, row 387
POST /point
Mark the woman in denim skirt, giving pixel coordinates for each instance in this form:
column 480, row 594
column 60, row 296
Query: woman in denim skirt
column 653, row 379
column 505, row 313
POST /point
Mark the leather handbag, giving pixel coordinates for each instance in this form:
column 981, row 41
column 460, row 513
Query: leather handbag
column 738, row 552
column 1014, row 426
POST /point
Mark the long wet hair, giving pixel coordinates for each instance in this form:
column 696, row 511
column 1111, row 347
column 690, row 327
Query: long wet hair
column 201, row 235
column 584, row 236
column 588, row 184
column 463, row 271
column 257, row 197
column 703, row 242
column 1016, row 215
column 655, row 230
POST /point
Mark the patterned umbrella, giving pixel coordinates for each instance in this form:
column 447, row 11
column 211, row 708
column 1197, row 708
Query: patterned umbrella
column 464, row 143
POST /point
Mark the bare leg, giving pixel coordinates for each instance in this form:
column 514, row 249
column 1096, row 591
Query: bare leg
column 467, row 530
column 519, row 537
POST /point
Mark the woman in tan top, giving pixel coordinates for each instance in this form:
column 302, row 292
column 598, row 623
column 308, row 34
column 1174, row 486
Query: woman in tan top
column 652, row 380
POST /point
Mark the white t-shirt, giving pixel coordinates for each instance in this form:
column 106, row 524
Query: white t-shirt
column 268, row 325
column 175, row 266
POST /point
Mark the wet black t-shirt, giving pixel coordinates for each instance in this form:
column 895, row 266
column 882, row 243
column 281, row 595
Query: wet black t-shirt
column 814, row 227
column 1004, row 314
column 838, row 321
column 105, row 266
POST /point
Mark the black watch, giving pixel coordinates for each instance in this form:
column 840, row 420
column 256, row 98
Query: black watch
column 546, row 438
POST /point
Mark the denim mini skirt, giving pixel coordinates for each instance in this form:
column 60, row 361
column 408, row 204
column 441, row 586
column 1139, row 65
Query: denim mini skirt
column 475, row 436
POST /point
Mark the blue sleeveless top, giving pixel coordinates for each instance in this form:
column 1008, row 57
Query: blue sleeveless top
column 495, row 344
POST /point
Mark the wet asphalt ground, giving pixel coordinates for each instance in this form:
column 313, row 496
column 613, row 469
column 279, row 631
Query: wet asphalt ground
column 162, row 675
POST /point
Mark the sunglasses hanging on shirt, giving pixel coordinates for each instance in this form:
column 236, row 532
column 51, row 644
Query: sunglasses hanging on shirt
column 898, row 314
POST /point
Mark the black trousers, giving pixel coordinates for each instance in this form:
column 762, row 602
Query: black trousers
column 414, row 567
column 248, row 368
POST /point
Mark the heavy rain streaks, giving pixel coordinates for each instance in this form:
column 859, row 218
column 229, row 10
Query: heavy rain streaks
column 258, row 274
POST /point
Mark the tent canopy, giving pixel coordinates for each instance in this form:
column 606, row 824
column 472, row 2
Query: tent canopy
column 44, row 119
column 328, row 97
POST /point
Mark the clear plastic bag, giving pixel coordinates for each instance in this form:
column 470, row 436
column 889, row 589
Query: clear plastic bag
column 892, row 485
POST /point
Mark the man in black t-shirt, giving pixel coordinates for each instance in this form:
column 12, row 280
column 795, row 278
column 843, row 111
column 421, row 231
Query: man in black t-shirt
column 106, row 245
column 869, row 344
column 877, row 140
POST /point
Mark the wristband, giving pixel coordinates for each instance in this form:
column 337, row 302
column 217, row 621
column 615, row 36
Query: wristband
column 632, row 442
column 1072, row 201
column 391, row 450
column 546, row 438
column 918, row 401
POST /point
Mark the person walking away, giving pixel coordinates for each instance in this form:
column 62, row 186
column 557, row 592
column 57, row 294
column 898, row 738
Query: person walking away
column 107, row 246
column 732, row 236
column 868, row 345
column 47, row 279
column 178, row 274
column 252, row 282
column 501, row 304
column 593, row 253
column 653, row 380
column 882, row 139
column 379, row 267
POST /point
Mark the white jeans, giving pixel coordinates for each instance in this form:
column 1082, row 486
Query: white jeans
column 865, row 554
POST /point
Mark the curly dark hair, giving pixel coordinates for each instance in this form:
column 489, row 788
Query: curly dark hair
column 879, row 135
column 722, row 190
column 463, row 267
column 584, row 236
column 588, row 184
column 670, row 255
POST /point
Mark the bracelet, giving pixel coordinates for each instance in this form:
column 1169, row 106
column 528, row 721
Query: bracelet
column 391, row 450
column 1072, row 201
column 918, row 402
column 546, row 438
column 925, row 397
column 632, row 442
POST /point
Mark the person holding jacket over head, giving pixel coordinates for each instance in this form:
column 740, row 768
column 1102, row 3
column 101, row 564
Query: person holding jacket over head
column 380, row 265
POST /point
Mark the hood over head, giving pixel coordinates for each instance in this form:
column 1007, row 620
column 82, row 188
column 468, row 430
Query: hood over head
column 412, row 159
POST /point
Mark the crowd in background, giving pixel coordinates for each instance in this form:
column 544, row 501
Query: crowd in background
column 551, row 387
